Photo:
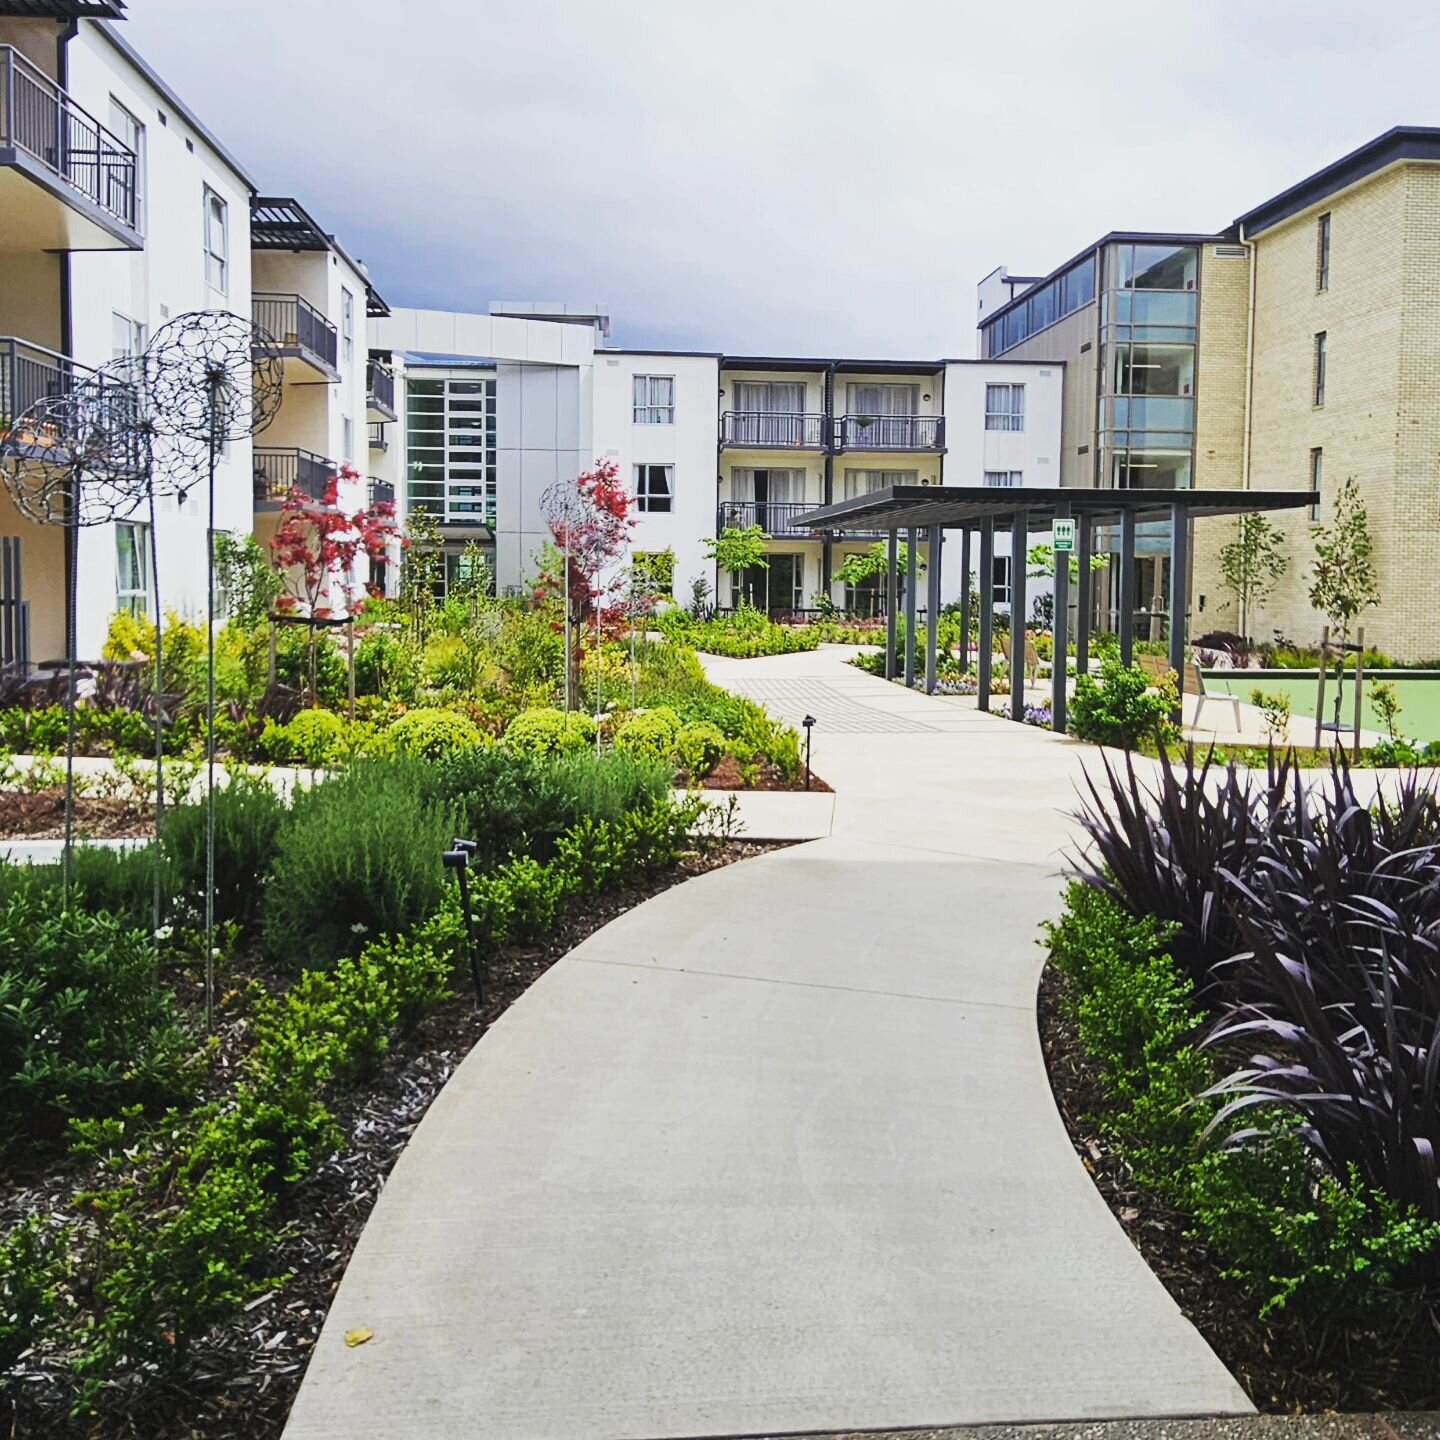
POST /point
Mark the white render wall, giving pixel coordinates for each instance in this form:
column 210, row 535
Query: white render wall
column 153, row 285
column 972, row 449
column 689, row 445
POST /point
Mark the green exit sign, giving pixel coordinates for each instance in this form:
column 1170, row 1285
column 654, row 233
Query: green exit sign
column 1063, row 537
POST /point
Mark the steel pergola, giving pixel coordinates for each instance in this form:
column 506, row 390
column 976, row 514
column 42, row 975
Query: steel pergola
column 930, row 510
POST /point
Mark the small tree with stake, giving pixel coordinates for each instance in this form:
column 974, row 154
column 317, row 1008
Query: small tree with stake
column 1252, row 564
column 1343, row 583
column 317, row 544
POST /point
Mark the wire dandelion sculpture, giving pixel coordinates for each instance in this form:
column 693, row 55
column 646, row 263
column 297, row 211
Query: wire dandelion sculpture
column 76, row 459
column 210, row 377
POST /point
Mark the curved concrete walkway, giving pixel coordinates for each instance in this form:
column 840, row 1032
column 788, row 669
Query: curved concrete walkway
column 776, row 1151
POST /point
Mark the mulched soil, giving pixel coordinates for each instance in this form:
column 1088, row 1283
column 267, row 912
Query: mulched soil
column 40, row 815
column 727, row 775
column 1399, row 1370
column 239, row 1383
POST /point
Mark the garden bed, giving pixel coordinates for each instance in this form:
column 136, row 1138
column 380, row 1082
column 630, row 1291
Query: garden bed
column 1268, row 1357
column 40, row 815
column 238, row 1382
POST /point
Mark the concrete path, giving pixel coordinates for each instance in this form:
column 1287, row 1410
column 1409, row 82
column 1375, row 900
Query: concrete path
column 776, row 1152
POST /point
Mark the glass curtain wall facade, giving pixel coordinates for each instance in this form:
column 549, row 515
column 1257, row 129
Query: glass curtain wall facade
column 450, row 449
column 1149, row 311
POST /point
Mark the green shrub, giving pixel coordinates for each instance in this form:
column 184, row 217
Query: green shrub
column 85, row 1025
column 315, row 738
column 1126, row 706
column 433, row 734
column 1324, row 1246
column 107, row 880
column 248, row 818
column 359, row 854
column 699, row 747
column 542, row 732
column 651, row 733
column 31, row 1269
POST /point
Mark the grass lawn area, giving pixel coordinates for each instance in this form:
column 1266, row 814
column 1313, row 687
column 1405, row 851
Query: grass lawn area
column 1419, row 699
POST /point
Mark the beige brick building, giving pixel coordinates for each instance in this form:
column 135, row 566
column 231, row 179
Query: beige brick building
column 1297, row 347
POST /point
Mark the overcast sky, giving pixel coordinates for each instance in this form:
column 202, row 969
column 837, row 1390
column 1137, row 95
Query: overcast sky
column 784, row 177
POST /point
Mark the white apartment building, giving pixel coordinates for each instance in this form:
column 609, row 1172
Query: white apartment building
column 706, row 441
column 118, row 211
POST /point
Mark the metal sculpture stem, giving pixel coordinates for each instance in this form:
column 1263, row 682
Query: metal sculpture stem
column 72, row 584
column 157, row 904
column 215, row 382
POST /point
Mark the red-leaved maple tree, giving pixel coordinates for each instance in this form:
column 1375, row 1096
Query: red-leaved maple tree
column 317, row 544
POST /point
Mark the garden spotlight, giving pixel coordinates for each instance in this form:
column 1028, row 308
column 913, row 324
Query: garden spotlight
column 457, row 858
column 809, row 723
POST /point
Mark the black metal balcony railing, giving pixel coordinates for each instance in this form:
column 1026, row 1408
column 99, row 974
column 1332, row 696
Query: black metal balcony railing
column 380, row 386
column 772, row 430
column 890, row 432
column 382, row 492
column 378, row 440
column 774, row 517
column 295, row 324
column 40, row 119
column 30, row 373
column 281, row 469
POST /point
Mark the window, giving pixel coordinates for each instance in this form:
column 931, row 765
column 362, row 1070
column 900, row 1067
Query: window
column 654, row 488
column 1000, row 579
column 863, row 482
column 1322, row 252
column 1157, row 267
column 654, row 399
column 1317, row 476
column 882, row 399
column 1004, row 407
column 451, row 454
column 130, row 133
column 132, row 569
column 1004, row 479
column 777, row 588
column 127, row 343
column 347, row 438
column 217, row 242
column 347, row 325
column 1320, row 369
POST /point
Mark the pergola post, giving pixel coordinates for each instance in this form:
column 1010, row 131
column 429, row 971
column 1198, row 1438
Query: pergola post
column 1179, row 598
column 1019, row 545
column 1084, row 547
column 1127, row 587
column 985, row 598
column 965, row 601
column 934, row 540
column 912, row 583
column 1059, row 654
column 892, row 599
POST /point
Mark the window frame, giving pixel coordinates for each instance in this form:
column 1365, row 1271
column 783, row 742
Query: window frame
column 1003, row 479
column 347, row 324
column 1322, row 252
column 136, row 141
column 129, row 599
column 1317, row 379
column 645, row 497
column 1001, row 591
column 1317, row 479
column 650, row 411
column 1012, row 418
column 217, row 262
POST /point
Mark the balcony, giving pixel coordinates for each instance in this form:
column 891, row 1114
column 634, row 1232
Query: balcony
column 381, row 492
column 380, row 392
column 300, row 330
column 30, row 373
column 774, row 517
column 66, row 183
column 378, row 440
column 889, row 432
column 771, row 430
column 282, row 469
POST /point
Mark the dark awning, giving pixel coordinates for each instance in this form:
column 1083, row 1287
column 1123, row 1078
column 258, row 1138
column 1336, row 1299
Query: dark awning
column 902, row 507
